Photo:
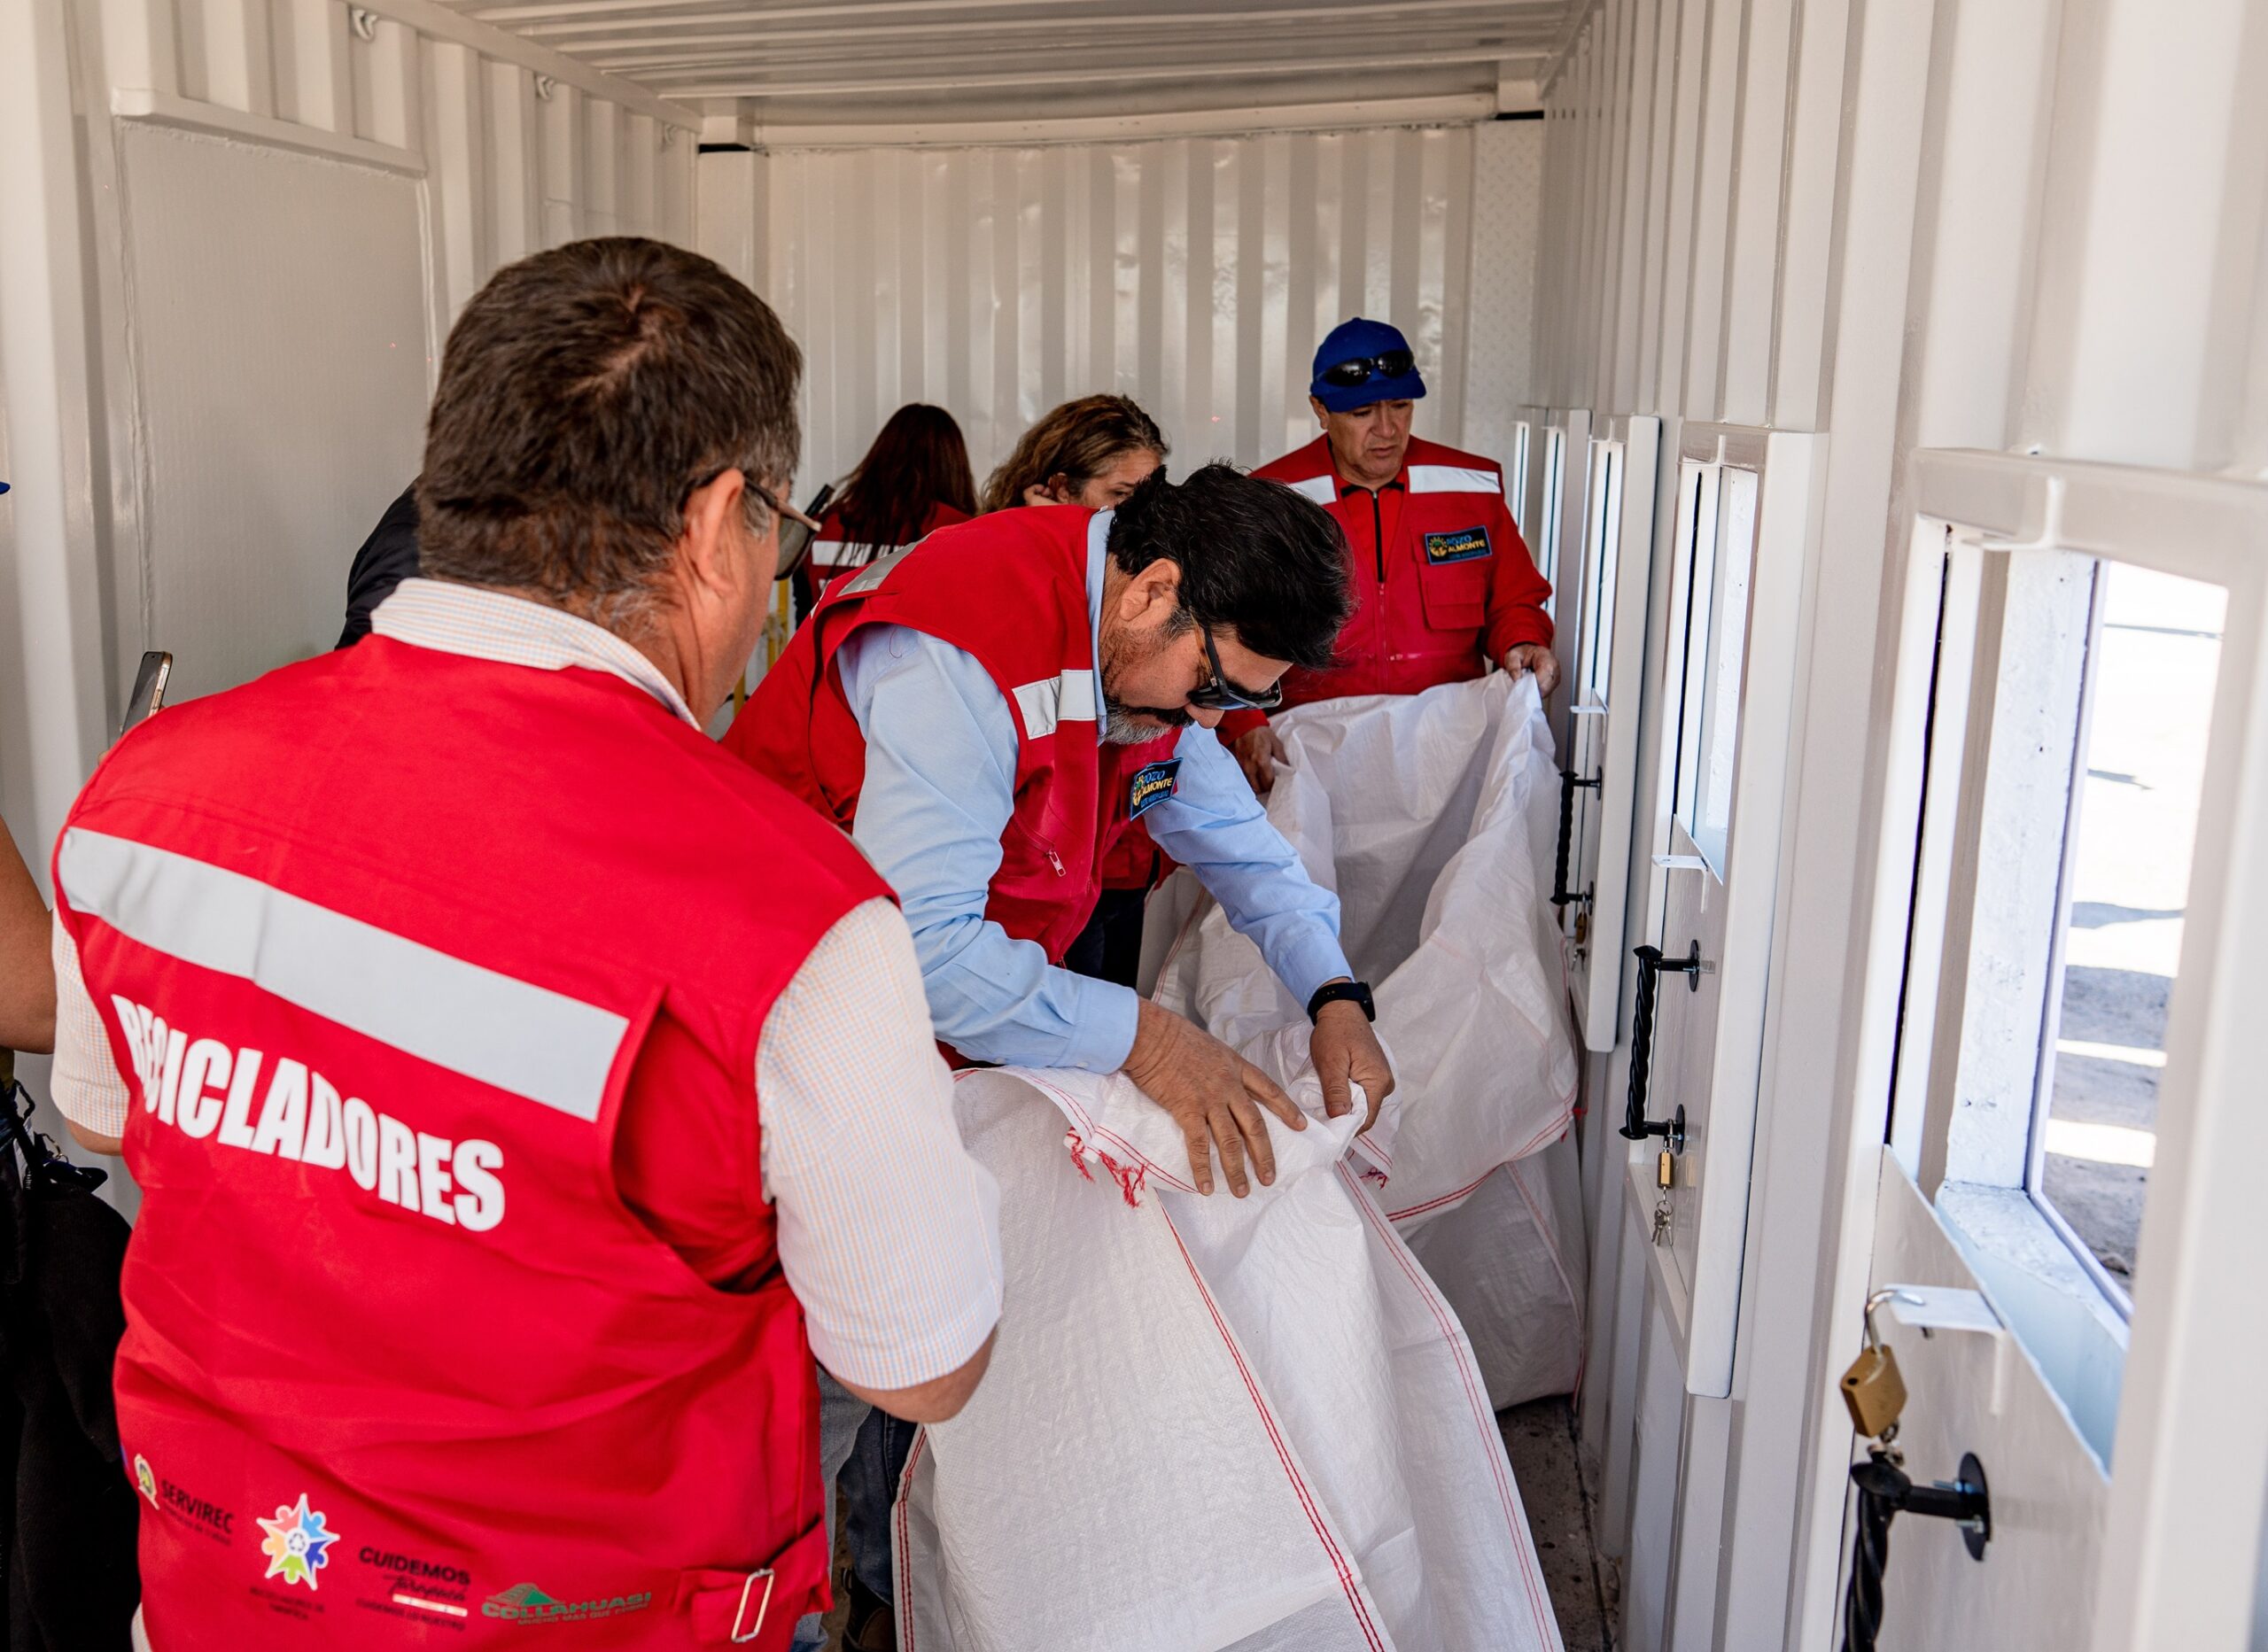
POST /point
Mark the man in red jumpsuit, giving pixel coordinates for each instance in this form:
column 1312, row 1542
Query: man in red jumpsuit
column 1444, row 586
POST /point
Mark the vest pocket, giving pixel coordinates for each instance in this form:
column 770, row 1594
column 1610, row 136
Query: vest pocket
column 1455, row 596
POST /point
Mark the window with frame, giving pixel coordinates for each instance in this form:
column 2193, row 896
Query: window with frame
column 1720, row 514
column 2073, row 698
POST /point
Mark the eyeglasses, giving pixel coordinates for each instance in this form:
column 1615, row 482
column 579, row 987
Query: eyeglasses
column 781, row 508
column 1220, row 695
column 1363, row 368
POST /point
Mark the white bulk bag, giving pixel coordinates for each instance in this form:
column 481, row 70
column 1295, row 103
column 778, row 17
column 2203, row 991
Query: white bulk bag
column 1435, row 817
column 1208, row 1422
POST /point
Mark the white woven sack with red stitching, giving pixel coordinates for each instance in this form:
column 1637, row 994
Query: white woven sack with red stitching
column 1208, row 1422
column 1435, row 817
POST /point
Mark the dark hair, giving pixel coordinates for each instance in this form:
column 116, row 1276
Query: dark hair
column 1254, row 556
column 918, row 461
column 585, row 393
column 1077, row 441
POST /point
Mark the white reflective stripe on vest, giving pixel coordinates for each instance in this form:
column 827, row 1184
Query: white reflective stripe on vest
column 1069, row 698
column 1321, row 489
column 873, row 573
column 1453, row 479
column 512, row 1034
column 828, row 552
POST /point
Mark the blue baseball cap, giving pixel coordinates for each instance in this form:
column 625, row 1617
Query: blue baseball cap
column 1365, row 354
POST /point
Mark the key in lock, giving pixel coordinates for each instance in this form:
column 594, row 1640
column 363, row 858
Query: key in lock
column 1874, row 1392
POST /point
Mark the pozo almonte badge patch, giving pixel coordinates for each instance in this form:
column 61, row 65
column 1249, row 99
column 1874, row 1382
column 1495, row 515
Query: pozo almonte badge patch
column 1152, row 783
column 1459, row 545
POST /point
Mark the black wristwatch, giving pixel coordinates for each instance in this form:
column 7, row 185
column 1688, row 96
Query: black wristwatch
column 1348, row 991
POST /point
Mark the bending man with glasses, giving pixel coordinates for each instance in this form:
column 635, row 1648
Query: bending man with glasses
column 984, row 717
column 963, row 713
column 1443, row 583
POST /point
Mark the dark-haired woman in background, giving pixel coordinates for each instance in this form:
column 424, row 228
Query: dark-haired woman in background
column 1094, row 452
column 913, row 480
column 1091, row 452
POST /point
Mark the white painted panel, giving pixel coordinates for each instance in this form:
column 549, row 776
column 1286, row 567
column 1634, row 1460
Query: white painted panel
column 282, row 372
column 1195, row 273
column 1968, row 1391
column 1500, row 333
column 1659, row 1426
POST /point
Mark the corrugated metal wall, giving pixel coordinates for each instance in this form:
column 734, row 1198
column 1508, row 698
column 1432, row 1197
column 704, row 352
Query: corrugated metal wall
column 1196, row 275
column 520, row 147
column 226, row 544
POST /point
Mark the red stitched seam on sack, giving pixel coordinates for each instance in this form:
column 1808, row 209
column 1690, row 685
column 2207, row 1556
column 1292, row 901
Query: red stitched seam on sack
column 1151, row 1167
column 1555, row 1130
column 1446, row 1321
column 905, row 1555
column 1268, row 1421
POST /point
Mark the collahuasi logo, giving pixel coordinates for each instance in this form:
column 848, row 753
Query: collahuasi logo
column 525, row 1603
column 298, row 1546
column 145, row 1481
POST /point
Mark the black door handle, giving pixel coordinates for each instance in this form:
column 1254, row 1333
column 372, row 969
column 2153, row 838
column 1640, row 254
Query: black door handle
column 1651, row 966
column 1568, row 786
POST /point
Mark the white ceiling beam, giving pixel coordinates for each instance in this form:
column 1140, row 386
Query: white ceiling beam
column 1102, row 75
column 440, row 21
column 635, row 57
column 1447, row 109
column 883, row 13
column 1480, row 16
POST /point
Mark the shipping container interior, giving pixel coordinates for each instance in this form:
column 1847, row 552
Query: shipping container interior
column 1882, row 383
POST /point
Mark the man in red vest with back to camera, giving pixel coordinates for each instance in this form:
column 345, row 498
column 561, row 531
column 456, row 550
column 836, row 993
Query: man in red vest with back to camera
column 521, row 1089
column 1444, row 586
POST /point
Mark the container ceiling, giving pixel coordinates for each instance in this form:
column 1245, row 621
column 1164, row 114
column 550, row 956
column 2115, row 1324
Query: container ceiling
column 896, row 61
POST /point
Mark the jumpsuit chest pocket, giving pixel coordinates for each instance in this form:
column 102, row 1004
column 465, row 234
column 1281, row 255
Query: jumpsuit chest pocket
column 1455, row 595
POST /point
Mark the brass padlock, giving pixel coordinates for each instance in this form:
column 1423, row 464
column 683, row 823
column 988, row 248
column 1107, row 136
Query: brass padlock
column 1873, row 1388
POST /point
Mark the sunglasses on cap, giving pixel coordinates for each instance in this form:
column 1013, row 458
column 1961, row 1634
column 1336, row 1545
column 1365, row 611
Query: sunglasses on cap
column 1363, row 368
column 1220, row 695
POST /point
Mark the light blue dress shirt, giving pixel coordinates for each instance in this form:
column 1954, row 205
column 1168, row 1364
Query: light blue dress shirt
column 939, row 789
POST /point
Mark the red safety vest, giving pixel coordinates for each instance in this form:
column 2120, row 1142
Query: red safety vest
column 1444, row 583
column 389, row 941
column 1010, row 589
column 835, row 555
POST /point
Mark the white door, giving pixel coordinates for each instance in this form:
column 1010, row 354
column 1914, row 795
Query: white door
column 2082, row 732
column 1743, row 518
column 1599, row 777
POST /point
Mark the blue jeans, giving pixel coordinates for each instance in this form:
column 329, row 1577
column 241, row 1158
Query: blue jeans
column 869, row 1488
column 862, row 1452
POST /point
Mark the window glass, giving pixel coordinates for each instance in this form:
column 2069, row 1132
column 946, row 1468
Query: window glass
column 1605, row 530
column 1697, row 545
column 1555, row 477
column 1516, row 480
column 1710, row 819
column 2153, row 662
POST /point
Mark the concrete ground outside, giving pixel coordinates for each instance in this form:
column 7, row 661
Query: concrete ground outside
column 2158, row 658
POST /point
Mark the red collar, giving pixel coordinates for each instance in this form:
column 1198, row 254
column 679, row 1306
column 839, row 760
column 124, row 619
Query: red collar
column 1401, row 479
